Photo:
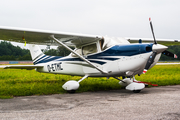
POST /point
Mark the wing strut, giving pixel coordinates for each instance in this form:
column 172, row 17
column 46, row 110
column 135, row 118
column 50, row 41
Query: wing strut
column 81, row 57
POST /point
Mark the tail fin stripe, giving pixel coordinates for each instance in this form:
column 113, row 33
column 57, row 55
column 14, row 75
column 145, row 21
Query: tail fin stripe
column 41, row 58
column 38, row 56
column 48, row 60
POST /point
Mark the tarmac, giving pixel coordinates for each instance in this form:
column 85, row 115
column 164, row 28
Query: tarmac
column 155, row 103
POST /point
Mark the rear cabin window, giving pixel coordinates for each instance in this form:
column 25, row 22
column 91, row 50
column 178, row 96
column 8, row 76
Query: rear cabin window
column 86, row 50
column 89, row 49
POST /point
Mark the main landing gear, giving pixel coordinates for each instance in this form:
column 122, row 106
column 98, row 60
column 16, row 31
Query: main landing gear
column 129, row 83
column 72, row 85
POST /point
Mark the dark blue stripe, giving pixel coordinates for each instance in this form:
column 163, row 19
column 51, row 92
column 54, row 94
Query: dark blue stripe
column 71, row 59
column 40, row 58
column 124, row 50
column 117, row 50
column 47, row 59
column 112, row 59
column 68, row 59
column 78, row 59
column 98, row 62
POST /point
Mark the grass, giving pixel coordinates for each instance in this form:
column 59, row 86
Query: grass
column 29, row 82
column 162, row 75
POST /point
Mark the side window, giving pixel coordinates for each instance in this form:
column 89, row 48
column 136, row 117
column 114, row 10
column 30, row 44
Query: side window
column 79, row 51
column 89, row 49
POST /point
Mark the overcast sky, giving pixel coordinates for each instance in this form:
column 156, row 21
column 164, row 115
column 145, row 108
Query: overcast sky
column 114, row 18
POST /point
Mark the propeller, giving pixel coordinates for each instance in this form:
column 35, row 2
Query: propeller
column 169, row 54
column 153, row 55
column 150, row 61
column 152, row 31
column 157, row 48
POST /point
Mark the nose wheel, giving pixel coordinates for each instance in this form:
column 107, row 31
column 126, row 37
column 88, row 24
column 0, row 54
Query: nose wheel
column 132, row 84
column 136, row 91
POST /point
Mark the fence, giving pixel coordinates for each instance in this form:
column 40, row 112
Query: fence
column 15, row 62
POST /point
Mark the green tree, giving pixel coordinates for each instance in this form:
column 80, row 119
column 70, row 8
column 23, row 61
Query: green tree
column 62, row 51
column 52, row 52
column 11, row 52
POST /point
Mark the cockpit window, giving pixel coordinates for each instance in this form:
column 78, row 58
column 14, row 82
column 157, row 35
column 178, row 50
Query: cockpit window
column 89, row 49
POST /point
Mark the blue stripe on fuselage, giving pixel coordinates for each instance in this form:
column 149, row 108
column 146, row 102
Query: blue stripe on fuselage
column 125, row 50
column 48, row 59
column 117, row 50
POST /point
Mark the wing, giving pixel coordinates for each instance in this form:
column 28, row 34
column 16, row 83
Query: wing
column 47, row 38
column 166, row 42
column 27, row 67
column 42, row 37
column 167, row 63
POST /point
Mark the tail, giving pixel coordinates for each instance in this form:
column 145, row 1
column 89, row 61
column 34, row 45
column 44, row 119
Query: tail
column 36, row 52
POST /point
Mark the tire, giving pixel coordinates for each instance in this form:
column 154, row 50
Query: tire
column 136, row 91
column 71, row 91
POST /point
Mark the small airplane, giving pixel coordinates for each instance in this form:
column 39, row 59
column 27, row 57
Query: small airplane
column 93, row 56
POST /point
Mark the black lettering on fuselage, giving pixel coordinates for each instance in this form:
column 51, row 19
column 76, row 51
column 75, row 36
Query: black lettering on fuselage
column 49, row 68
column 54, row 67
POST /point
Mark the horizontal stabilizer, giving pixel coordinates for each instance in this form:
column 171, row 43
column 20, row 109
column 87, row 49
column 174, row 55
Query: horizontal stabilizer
column 27, row 67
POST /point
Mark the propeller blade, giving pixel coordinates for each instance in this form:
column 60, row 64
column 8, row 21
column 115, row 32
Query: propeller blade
column 152, row 31
column 150, row 61
column 169, row 54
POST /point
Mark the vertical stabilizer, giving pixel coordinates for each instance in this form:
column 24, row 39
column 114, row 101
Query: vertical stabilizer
column 35, row 51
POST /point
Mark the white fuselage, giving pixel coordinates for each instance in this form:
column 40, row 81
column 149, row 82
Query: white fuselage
column 117, row 61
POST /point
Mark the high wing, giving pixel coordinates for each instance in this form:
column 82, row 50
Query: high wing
column 27, row 67
column 167, row 63
column 167, row 42
column 42, row 37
